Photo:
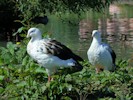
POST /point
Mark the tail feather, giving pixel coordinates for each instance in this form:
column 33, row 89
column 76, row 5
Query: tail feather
column 114, row 67
column 77, row 67
column 77, row 58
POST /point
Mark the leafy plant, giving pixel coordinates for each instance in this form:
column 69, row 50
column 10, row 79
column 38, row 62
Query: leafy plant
column 12, row 54
column 21, row 78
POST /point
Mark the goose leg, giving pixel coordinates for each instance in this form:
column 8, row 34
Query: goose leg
column 99, row 68
column 49, row 78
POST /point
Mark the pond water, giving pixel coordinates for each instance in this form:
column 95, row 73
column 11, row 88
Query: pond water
column 116, row 25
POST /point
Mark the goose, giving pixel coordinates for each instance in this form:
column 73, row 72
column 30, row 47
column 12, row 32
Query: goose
column 101, row 54
column 50, row 53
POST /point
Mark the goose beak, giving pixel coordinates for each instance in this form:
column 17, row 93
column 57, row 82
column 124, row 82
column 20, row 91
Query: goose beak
column 27, row 36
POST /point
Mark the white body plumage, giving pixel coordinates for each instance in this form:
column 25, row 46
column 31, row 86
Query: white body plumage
column 50, row 62
column 100, row 54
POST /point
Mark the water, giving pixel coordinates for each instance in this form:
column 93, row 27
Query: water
column 116, row 26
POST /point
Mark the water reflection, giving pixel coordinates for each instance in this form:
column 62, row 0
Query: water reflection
column 114, row 10
column 85, row 27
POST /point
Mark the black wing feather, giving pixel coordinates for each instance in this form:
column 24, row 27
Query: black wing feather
column 113, row 55
column 56, row 48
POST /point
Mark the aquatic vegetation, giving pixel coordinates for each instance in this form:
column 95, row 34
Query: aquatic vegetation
column 21, row 78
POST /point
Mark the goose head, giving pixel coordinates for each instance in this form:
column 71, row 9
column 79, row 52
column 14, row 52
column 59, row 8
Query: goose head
column 34, row 33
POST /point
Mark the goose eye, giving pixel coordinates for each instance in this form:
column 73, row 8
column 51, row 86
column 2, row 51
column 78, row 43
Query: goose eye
column 32, row 31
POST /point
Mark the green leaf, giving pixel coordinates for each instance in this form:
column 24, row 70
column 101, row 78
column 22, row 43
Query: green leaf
column 24, row 62
column 1, row 77
column 10, row 47
column 32, row 64
column 20, row 30
column 68, row 78
column 22, row 84
column 1, row 90
column 43, row 88
column 103, row 80
column 66, row 98
column 3, row 49
column 40, row 70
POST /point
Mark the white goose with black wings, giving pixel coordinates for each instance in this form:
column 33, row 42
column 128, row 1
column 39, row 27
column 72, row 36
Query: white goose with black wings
column 51, row 54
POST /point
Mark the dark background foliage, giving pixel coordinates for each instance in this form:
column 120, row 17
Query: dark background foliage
column 24, row 11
